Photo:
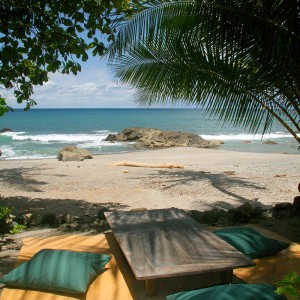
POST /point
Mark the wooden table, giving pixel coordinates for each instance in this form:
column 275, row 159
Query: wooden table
column 167, row 242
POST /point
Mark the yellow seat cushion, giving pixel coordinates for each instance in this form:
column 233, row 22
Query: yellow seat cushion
column 110, row 285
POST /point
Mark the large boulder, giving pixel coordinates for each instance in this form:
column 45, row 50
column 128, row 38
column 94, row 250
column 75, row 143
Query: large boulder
column 156, row 138
column 73, row 153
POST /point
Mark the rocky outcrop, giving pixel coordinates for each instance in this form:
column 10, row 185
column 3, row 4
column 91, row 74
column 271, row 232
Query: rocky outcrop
column 73, row 153
column 245, row 214
column 5, row 130
column 156, row 138
column 6, row 223
column 274, row 217
column 296, row 203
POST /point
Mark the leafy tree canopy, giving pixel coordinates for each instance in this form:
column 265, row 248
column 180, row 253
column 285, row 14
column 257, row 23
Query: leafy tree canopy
column 239, row 59
column 38, row 37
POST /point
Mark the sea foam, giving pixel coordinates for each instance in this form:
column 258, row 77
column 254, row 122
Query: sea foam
column 249, row 137
column 96, row 138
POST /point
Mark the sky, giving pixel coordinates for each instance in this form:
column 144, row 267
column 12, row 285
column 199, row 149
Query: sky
column 93, row 87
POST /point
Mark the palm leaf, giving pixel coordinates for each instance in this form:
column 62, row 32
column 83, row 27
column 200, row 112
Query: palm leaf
column 211, row 54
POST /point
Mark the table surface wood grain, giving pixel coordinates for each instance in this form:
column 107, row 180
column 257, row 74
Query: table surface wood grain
column 167, row 242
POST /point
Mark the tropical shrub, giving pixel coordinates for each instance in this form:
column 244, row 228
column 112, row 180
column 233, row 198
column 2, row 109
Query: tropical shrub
column 289, row 285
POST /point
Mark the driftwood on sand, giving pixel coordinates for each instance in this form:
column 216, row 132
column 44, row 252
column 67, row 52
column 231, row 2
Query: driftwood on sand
column 134, row 164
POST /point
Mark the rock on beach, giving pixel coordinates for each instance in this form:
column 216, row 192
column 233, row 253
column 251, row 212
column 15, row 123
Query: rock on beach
column 73, row 153
column 156, row 138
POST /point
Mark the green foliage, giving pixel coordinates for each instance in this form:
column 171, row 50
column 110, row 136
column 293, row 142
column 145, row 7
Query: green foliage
column 289, row 285
column 4, row 211
column 18, row 228
column 3, row 107
column 237, row 59
column 38, row 37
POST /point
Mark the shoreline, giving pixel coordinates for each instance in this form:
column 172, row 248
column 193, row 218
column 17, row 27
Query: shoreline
column 153, row 149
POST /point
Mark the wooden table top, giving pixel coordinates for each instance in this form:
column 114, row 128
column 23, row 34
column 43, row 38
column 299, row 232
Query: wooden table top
column 167, row 242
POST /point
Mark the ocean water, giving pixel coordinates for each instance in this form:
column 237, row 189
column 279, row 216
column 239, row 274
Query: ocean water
column 41, row 133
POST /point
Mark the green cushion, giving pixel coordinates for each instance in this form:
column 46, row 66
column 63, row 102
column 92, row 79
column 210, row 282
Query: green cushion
column 58, row 270
column 230, row 292
column 250, row 242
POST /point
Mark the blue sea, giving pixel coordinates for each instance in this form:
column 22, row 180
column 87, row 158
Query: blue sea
column 41, row 133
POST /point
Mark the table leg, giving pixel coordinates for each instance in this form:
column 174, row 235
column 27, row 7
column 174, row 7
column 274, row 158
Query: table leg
column 150, row 286
column 226, row 276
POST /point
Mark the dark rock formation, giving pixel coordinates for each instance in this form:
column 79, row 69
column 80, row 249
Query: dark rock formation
column 6, row 223
column 67, row 218
column 241, row 214
column 101, row 212
column 36, row 219
column 285, row 210
column 196, row 215
column 283, row 206
column 212, row 216
column 296, row 203
column 71, row 227
column 246, row 213
column 51, row 220
column 73, row 153
column 85, row 219
column 156, row 138
column 5, row 130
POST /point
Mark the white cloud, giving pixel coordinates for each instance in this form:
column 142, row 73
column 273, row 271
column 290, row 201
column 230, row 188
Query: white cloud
column 94, row 87
column 84, row 88
column 91, row 88
column 49, row 83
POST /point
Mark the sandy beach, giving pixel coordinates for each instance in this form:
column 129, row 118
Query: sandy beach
column 210, row 178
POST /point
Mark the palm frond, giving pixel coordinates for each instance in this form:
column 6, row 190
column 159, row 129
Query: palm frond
column 235, row 58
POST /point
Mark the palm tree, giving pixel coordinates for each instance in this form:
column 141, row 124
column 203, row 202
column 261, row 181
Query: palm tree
column 238, row 59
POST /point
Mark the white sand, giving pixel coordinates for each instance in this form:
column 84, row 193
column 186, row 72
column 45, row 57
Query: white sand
column 45, row 185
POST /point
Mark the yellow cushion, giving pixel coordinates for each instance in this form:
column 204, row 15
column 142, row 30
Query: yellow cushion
column 272, row 269
column 110, row 285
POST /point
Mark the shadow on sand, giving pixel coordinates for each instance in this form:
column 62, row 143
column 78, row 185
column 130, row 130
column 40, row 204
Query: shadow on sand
column 221, row 182
column 20, row 177
column 23, row 205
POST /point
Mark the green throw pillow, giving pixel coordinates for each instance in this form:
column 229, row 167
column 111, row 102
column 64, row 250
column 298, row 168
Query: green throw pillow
column 58, row 270
column 230, row 292
column 250, row 242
